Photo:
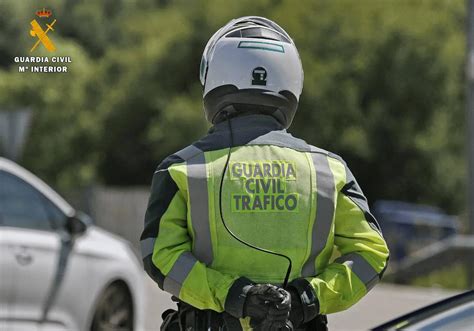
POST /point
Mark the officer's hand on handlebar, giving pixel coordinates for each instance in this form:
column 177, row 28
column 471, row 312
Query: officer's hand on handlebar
column 268, row 307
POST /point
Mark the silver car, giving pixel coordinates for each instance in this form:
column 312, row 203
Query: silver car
column 455, row 313
column 57, row 270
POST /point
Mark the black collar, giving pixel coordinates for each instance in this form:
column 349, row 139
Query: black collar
column 246, row 122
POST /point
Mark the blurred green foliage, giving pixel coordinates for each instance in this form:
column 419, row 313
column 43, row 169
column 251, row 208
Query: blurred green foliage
column 384, row 88
column 453, row 277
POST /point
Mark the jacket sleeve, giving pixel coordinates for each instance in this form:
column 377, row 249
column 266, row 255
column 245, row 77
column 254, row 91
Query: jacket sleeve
column 364, row 253
column 167, row 253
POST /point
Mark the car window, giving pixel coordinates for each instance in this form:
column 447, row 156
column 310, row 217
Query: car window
column 458, row 318
column 56, row 216
column 21, row 205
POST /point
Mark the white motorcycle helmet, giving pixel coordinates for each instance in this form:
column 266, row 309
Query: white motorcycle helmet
column 251, row 65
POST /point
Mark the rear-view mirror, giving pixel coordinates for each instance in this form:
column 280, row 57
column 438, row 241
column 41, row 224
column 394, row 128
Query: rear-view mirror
column 78, row 223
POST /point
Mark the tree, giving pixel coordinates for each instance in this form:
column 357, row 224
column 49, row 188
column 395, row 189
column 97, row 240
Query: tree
column 383, row 88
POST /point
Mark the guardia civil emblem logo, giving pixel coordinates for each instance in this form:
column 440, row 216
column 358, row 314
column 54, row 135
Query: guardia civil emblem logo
column 41, row 34
column 41, row 29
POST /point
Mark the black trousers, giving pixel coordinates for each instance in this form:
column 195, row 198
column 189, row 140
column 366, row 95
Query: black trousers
column 320, row 323
column 188, row 318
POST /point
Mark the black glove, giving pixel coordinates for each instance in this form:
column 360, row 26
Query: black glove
column 268, row 326
column 304, row 303
column 296, row 313
column 268, row 307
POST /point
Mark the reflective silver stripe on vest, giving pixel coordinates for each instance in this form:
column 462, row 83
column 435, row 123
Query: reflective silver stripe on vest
column 361, row 268
column 146, row 246
column 178, row 273
column 199, row 204
column 360, row 200
column 188, row 152
column 326, row 190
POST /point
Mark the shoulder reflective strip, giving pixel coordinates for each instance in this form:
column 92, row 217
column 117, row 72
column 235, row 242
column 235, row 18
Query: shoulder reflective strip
column 178, row 273
column 146, row 246
column 315, row 149
column 361, row 268
column 199, row 205
column 326, row 190
column 281, row 138
column 188, row 152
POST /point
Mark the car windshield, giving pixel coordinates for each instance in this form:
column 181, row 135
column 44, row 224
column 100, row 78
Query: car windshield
column 458, row 318
column 454, row 313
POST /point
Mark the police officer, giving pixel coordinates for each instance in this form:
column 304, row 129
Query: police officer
column 249, row 185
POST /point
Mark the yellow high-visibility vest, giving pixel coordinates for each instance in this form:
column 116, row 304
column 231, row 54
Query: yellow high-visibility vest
column 279, row 193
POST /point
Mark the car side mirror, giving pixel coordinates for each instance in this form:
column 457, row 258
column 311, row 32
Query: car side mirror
column 77, row 224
